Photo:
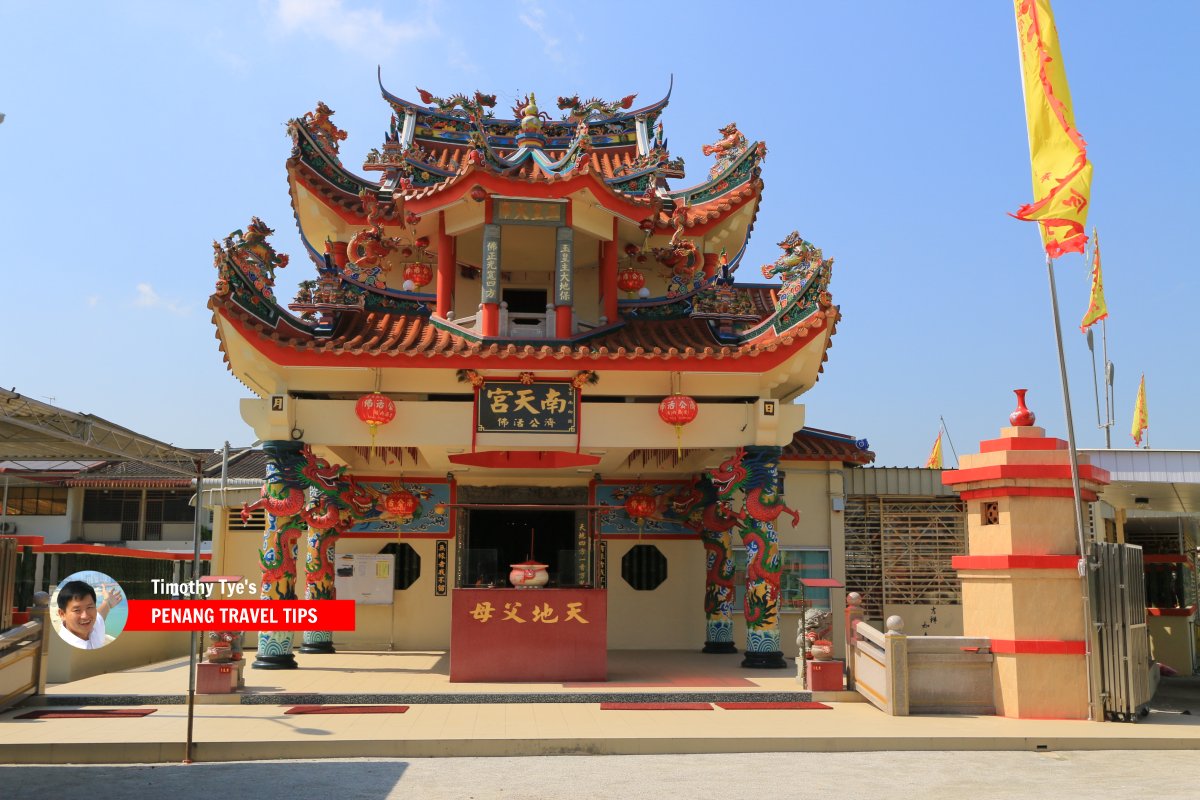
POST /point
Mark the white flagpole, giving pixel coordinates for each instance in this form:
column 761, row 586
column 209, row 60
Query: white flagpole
column 1089, row 629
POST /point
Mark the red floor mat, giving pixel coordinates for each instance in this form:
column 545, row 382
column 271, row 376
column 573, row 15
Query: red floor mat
column 655, row 707
column 77, row 714
column 759, row 706
column 346, row 710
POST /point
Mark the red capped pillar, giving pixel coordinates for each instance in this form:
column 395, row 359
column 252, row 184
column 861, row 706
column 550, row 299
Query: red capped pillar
column 608, row 274
column 1020, row 581
column 489, row 310
column 445, row 268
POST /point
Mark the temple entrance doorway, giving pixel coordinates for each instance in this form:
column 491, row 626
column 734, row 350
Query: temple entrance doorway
column 498, row 538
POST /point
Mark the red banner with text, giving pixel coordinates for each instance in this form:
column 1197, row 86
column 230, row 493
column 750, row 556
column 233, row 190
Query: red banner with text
column 240, row 615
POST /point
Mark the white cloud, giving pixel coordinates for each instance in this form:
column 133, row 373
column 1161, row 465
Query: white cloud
column 534, row 18
column 93, row 300
column 148, row 298
column 360, row 30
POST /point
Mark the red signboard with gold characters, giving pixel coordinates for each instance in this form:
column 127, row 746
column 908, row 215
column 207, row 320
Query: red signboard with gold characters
column 523, row 635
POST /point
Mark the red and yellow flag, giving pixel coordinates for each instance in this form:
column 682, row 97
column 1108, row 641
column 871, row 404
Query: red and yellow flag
column 935, row 455
column 1141, row 420
column 1097, row 309
column 1062, row 174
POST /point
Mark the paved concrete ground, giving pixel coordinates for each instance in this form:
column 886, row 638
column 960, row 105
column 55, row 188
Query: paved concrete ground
column 1162, row 775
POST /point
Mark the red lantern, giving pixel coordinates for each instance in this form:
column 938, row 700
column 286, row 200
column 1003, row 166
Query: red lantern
column 678, row 410
column 422, row 242
column 632, row 249
column 375, row 409
column 647, row 225
column 400, row 504
column 639, row 506
column 419, row 273
column 412, row 218
column 630, row 280
column 478, row 194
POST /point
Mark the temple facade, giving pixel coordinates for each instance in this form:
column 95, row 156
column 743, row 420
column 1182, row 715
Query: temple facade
column 524, row 352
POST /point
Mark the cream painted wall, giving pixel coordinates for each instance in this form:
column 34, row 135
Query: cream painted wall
column 417, row 620
column 670, row 617
column 131, row 649
column 949, row 619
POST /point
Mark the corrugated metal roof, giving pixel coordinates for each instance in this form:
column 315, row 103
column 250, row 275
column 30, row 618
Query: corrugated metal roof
column 1167, row 466
column 901, row 481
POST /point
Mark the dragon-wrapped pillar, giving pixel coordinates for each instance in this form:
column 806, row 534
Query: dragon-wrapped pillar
column 283, row 497
column 755, row 470
column 715, row 525
column 327, row 516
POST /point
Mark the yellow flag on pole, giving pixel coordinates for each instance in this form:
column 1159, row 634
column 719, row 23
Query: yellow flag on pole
column 1141, row 420
column 1062, row 174
column 1098, row 308
column 935, row 455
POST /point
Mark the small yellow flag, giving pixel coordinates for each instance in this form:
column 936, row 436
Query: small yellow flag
column 935, row 455
column 1141, row 420
column 1062, row 174
column 1098, row 308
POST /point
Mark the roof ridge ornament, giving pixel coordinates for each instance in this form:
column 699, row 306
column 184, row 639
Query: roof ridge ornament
column 321, row 128
column 460, row 105
column 581, row 111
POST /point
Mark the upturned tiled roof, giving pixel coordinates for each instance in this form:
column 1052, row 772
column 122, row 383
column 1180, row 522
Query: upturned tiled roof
column 814, row 444
column 396, row 334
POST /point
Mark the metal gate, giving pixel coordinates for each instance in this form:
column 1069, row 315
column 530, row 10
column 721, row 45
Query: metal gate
column 1122, row 640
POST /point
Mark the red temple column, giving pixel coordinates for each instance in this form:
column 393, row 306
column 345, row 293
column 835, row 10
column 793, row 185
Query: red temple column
column 445, row 268
column 608, row 275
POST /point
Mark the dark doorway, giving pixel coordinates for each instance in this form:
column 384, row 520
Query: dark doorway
column 524, row 301
column 497, row 538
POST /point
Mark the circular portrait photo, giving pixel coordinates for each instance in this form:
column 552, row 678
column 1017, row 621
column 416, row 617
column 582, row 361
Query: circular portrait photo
column 88, row 610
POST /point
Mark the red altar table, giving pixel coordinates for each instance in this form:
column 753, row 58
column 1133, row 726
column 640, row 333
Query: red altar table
column 529, row 635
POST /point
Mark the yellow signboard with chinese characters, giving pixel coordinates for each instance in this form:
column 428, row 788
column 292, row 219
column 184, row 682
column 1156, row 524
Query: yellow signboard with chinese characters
column 515, row 407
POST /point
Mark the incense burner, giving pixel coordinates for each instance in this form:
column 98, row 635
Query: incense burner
column 528, row 575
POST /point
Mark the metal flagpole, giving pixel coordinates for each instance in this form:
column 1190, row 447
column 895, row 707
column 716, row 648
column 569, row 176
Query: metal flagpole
column 1109, row 421
column 191, row 695
column 1084, row 576
column 948, row 439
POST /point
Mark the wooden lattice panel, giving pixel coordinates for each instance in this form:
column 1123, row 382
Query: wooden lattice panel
column 864, row 562
column 919, row 538
column 898, row 550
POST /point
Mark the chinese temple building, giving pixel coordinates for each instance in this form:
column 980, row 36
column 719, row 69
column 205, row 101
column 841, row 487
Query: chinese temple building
column 524, row 360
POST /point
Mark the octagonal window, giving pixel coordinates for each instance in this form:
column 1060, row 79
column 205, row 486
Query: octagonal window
column 644, row 567
column 408, row 564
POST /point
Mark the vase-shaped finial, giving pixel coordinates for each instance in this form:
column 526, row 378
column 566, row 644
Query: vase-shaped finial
column 1022, row 417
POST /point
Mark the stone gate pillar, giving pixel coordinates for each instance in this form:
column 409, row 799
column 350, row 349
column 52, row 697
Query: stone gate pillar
column 1021, row 586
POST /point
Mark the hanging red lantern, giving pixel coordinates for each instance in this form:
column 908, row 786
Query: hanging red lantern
column 478, row 194
column 640, row 507
column 375, row 409
column 422, row 242
column 678, row 410
column 647, row 225
column 401, row 503
column 632, row 249
column 630, row 280
column 419, row 273
column 412, row 218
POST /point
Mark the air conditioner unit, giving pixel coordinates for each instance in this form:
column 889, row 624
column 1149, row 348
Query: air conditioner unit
column 8, row 527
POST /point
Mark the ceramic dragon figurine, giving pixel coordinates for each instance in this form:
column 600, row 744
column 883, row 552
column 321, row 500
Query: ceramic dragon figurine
column 252, row 255
column 461, row 105
column 755, row 472
column 800, row 262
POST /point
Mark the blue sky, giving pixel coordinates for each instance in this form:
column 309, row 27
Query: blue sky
column 138, row 132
